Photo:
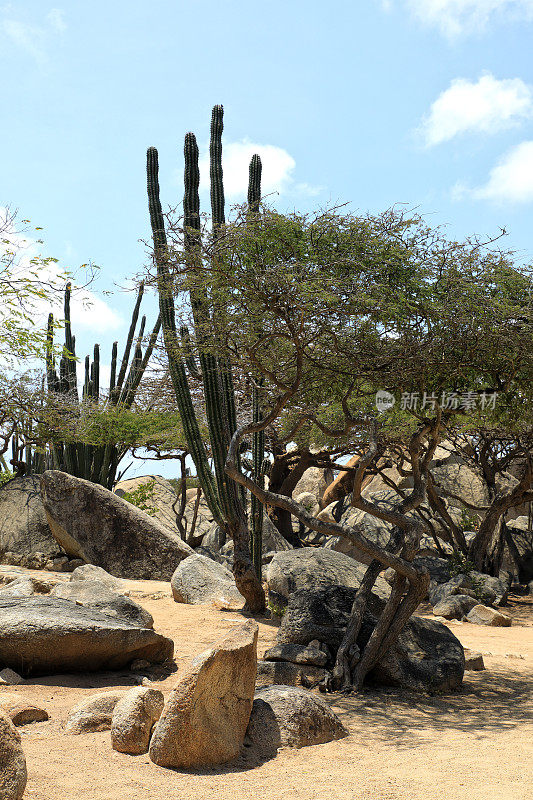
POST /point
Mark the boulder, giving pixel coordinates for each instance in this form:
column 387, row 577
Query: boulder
column 90, row 572
column 473, row 661
column 13, row 774
column 94, row 713
column 24, row 529
column 483, row 615
column 20, row 710
column 44, row 635
column 426, row 655
column 22, row 587
column 455, row 606
column 205, row 718
column 314, row 481
column 454, row 475
column 285, row 673
column 288, row 716
column 297, row 654
column 92, row 523
column 313, row 568
column 9, row 677
column 522, row 536
column 199, row 579
column 93, row 594
column 134, row 716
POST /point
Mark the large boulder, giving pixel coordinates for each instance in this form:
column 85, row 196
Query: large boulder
column 483, row 615
column 205, row 718
column 96, row 595
column 454, row 606
column 44, row 635
column 199, row 579
column 162, row 502
column 314, row 481
column 134, row 716
column 90, row 572
column 457, row 480
column 425, row 656
column 94, row 713
column 313, row 568
column 24, row 529
column 522, row 537
column 288, row 716
column 13, row 774
column 96, row 525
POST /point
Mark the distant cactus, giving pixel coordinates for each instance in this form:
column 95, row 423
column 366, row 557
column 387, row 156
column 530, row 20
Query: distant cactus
column 96, row 463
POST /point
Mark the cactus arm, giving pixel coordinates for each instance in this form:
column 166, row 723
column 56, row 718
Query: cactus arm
column 113, row 377
column 129, row 340
column 168, row 319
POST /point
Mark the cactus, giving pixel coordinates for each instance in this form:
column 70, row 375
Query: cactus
column 96, row 463
column 221, row 493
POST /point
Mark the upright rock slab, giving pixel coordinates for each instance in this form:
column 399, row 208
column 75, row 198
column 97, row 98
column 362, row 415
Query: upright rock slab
column 13, row 774
column 45, row 635
column 24, row 529
column 205, row 718
column 134, row 717
column 96, row 525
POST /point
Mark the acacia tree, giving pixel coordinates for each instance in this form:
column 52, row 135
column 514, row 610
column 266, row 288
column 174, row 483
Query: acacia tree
column 347, row 306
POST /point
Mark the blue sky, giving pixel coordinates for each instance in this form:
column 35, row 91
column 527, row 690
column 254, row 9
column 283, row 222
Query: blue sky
column 423, row 102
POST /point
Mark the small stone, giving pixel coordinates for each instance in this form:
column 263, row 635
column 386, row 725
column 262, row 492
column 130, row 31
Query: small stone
column 473, row 661
column 94, row 713
column 20, row 710
column 139, row 665
column 483, row 615
column 10, row 677
column 133, row 719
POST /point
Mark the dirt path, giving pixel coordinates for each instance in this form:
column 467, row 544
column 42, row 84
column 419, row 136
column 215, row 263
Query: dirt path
column 475, row 745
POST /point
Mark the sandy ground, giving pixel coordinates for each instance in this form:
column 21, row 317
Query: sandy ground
column 475, row 744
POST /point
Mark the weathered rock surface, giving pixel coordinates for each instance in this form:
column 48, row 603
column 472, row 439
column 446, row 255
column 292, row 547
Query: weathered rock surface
column 483, row 615
column 22, row 587
column 205, row 718
column 476, row 584
column 94, row 713
column 199, row 579
column 522, row 536
column 20, row 710
column 134, row 716
column 285, row 716
column 13, row 774
column 9, row 677
column 43, row 635
column 455, row 606
column 93, row 594
column 314, row 481
column 90, row 572
column 313, row 568
column 473, row 661
column 427, row 655
column 94, row 524
column 285, row 673
column 297, row 654
column 24, row 529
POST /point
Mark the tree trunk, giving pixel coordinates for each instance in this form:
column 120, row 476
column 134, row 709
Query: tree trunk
column 244, row 573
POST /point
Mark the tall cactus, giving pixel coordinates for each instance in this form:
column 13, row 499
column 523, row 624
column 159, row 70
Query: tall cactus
column 221, row 493
column 97, row 463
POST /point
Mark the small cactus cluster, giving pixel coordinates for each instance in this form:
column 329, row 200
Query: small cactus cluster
column 96, row 463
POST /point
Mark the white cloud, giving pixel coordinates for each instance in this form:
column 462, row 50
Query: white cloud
column 32, row 38
column 487, row 106
column 456, row 17
column 278, row 166
column 27, row 37
column 510, row 181
column 56, row 18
